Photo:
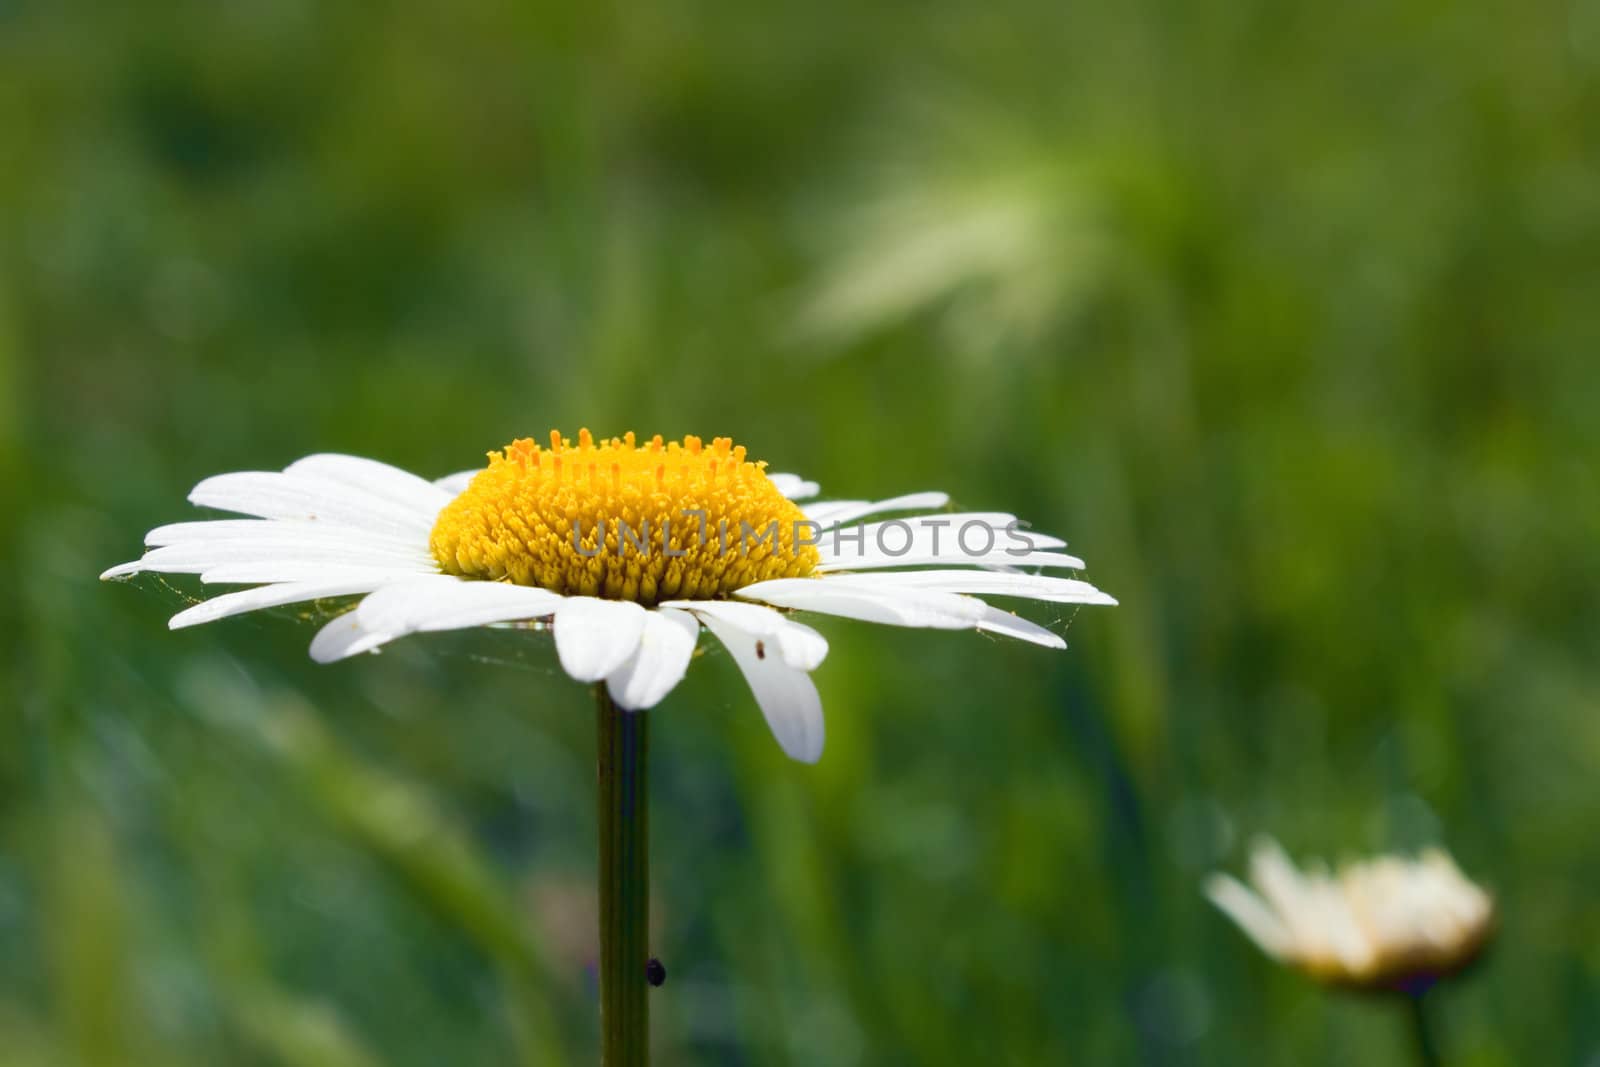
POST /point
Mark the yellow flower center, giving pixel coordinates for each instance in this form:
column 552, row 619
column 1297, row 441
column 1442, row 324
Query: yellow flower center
column 651, row 522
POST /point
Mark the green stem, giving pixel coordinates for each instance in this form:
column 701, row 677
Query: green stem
column 1422, row 1029
column 623, row 797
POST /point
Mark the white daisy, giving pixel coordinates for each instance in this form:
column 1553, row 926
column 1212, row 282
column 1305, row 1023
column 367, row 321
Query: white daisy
column 623, row 550
column 1386, row 923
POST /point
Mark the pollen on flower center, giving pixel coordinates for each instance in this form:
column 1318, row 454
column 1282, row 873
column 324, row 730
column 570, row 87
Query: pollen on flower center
column 642, row 522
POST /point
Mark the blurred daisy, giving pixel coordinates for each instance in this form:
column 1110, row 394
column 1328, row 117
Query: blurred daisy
column 623, row 549
column 1387, row 923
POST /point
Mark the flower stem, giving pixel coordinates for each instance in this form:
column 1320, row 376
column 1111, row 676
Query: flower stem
column 623, row 796
column 1422, row 1028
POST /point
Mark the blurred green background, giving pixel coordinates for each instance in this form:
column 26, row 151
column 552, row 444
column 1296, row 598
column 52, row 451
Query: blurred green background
column 1285, row 316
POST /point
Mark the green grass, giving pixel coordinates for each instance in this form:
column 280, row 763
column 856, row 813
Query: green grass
column 1282, row 314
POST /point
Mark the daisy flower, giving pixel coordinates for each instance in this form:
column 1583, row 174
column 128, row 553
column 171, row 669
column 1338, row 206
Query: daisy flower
column 1390, row 922
column 622, row 549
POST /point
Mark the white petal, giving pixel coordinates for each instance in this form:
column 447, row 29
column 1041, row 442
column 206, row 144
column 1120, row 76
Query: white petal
column 872, row 559
column 849, row 598
column 193, row 557
column 835, row 512
column 379, row 479
column 310, row 571
column 287, row 570
column 425, row 604
column 448, row 603
column 1291, row 895
column 456, row 484
column 1006, row 624
column 799, row 645
column 787, row 697
column 594, row 637
column 343, row 637
column 1251, row 913
column 793, row 486
column 268, row 530
column 665, row 648
column 266, row 596
column 900, row 607
column 121, row 570
column 988, row 583
column 274, row 495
